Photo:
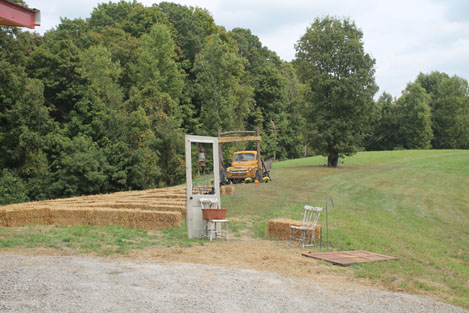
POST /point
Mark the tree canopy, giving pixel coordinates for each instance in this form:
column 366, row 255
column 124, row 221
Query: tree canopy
column 102, row 104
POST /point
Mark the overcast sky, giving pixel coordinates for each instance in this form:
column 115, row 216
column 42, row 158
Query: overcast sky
column 405, row 37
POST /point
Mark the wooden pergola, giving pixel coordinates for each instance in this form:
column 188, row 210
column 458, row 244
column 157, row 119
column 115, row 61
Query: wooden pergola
column 257, row 138
column 13, row 14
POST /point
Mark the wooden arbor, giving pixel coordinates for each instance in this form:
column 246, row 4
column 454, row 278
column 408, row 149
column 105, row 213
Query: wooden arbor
column 13, row 14
column 251, row 135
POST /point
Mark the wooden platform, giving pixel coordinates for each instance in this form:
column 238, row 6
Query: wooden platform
column 345, row 258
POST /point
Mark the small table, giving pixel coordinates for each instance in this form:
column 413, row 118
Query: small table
column 214, row 229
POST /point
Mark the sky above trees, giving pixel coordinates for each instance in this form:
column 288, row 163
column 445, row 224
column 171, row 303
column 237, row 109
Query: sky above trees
column 405, row 37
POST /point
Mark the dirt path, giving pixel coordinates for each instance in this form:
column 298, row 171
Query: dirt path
column 86, row 284
column 238, row 276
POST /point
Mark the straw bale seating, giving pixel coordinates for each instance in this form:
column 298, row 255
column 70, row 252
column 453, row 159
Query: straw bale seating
column 280, row 229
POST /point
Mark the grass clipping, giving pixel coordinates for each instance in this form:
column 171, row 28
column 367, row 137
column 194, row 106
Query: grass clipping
column 280, row 229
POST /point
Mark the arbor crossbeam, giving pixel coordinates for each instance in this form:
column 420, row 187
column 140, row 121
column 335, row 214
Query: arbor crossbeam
column 233, row 139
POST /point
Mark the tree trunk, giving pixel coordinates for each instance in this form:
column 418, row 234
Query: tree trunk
column 332, row 160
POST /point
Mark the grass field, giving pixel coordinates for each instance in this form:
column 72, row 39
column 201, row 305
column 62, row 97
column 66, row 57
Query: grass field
column 413, row 205
column 410, row 204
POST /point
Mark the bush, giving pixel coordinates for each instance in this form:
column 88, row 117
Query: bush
column 12, row 188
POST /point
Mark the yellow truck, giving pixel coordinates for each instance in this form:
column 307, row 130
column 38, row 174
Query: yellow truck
column 244, row 168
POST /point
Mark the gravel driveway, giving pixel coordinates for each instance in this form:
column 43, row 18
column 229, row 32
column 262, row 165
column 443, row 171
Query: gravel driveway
column 86, row 284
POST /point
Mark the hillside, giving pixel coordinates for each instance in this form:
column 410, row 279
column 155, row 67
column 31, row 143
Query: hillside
column 410, row 204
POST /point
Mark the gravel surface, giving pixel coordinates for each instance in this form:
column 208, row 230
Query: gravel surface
column 85, row 284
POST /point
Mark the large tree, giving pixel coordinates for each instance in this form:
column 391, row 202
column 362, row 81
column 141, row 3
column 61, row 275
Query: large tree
column 330, row 58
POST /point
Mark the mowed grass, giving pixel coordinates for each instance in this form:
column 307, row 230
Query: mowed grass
column 84, row 239
column 413, row 205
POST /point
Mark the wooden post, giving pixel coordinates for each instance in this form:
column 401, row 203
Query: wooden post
column 223, row 177
column 220, row 153
column 275, row 136
column 259, row 168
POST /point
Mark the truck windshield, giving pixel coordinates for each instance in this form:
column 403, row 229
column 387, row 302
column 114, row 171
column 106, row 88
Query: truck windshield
column 244, row 157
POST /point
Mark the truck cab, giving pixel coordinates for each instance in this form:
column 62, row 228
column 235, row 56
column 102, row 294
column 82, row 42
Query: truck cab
column 244, row 165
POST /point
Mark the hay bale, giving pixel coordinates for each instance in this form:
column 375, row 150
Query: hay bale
column 69, row 217
column 136, row 206
column 151, row 220
column 280, row 229
column 168, row 196
column 27, row 216
column 227, row 190
column 3, row 217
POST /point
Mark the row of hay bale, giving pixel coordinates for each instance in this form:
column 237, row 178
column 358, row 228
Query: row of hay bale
column 90, row 216
column 280, row 229
column 147, row 209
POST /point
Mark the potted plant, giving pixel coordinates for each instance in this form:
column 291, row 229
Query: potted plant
column 211, row 210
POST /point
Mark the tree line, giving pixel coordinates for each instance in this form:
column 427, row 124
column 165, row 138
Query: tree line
column 102, row 104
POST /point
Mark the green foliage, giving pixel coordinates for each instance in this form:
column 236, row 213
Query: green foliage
column 217, row 87
column 449, row 104
column 131, row 17
column 387, row 134
column 80, row 168
column 158, row 88
column 56, row 63
column 192, row 26
column 447, row 98
column 12, row 188
column 340, row 75
column 122, row 46
column 374, row 139
column 158, row 81
column 29, row 131
column 413, row 114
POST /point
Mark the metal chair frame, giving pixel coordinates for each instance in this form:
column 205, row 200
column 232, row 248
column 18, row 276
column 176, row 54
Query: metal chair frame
column 310, row 220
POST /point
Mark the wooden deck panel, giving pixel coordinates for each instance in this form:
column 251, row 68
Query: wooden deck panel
column 345, row 258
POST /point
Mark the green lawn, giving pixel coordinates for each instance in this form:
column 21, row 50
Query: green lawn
column 410, row 204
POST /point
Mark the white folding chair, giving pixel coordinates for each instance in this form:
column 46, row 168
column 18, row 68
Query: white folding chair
column 310, row 219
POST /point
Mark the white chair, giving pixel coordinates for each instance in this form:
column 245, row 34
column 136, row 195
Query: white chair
column 213, row 228
column 310, row 219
